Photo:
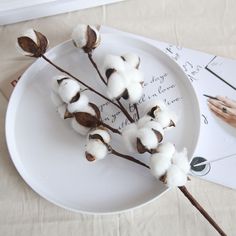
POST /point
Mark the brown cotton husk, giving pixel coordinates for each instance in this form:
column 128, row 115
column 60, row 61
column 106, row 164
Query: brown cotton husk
column 86, row 119
column 91, row 40
column 96, row 109
column 109, row 72
column 158, row 135
column 68, row 114
column 151, row 112
column 140, row 147
column 75, row 98
column 42, row 41
column 28, row 45
column 89, row 157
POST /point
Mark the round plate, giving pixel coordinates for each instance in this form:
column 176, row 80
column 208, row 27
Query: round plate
column 49, row 155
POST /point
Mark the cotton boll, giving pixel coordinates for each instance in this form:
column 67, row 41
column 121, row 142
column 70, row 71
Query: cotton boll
column 79, row 35
column 143, row 120
column 79, row 128
column 61, row 110
column 135, row 92
column 129, row 135
column 160, row 162
column 132, row 59
column 148, row 138
column 96, row 148
column 175, row 177
column 56, row 99
column 180, row 159
column 113, row 62
column 68, row 88
column 166, row 148
column 103, row 133
column 115, row 86
column 80, row 104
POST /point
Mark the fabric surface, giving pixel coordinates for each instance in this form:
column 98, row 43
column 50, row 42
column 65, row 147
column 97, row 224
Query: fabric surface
column 208, row 26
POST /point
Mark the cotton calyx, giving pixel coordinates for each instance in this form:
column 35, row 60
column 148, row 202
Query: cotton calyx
column 129, row 135
column 68, row 89
column 32, row 43
column 85, row 37
column 132, row 59
column 97, row 144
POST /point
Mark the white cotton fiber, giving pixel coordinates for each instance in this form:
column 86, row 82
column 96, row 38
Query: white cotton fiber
column 129, row 135
column 79, row 35
column 135, row 92
column 77, row 106
column 155, row 126
column 56, row 99
column 166, row 148
column 163, row 118
column 143, row 120
column 68, row 88
column 176, row 177
column 79, row 128
column 113, row 62
column 88, row 109
column 103, row 133
column 159, row 164
column 148, row 138
column 61, row 110
column 133, row 75
column 132, row 59
column 96, row 148
column 54, row 83
column 180, row 159
column 115, row 86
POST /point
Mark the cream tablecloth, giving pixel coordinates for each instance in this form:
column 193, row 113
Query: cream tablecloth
column 209, row 26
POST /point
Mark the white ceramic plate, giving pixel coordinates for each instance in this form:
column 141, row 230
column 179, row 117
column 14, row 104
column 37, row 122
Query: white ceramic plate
column 49, row 155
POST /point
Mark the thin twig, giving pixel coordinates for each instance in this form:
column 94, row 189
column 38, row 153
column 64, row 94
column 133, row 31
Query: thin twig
column 136, row 108
column 96, row 67
column 116, row 131
column 194, row 202
column 87, row 86
column 114, row 152
column 122, row 108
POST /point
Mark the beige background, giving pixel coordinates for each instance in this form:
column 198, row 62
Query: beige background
column 209, row 26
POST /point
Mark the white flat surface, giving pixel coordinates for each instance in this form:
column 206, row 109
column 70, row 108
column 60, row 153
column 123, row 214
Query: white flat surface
column 50, row 156
column 202, row 25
